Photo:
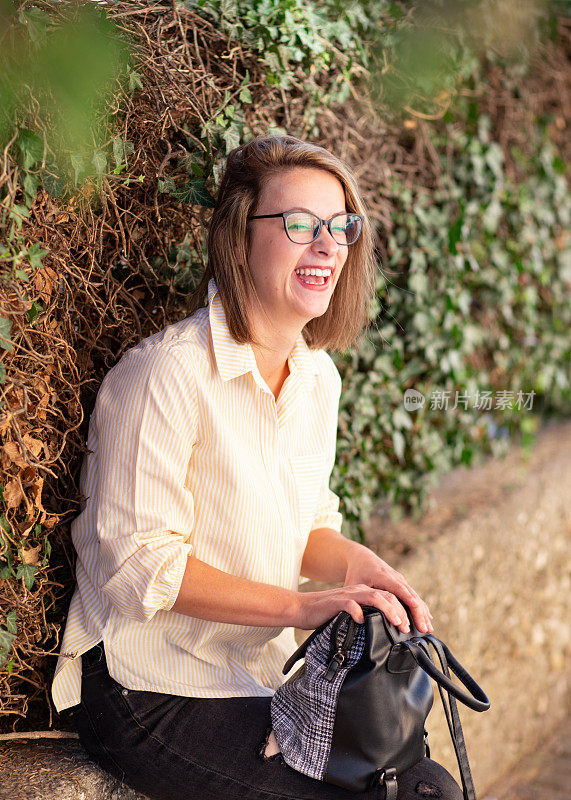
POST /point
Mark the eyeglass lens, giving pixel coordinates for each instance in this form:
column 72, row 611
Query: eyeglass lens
column 302, row 227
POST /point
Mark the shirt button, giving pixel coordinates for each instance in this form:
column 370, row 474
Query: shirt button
column 125, row 691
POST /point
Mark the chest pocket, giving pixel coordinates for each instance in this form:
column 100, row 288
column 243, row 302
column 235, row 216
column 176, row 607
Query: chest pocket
column 308, row 475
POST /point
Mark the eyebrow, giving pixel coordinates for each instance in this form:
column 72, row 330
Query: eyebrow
column 301, row 208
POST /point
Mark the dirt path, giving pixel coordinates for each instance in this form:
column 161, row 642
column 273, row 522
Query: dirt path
column 543, row 774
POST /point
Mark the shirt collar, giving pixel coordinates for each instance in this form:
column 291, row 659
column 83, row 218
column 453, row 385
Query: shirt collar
column 234, row 359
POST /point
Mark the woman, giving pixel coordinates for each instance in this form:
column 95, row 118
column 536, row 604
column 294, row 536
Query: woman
column 208, row 501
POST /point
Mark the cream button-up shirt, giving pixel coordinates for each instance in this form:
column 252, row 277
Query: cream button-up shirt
column 191, row 454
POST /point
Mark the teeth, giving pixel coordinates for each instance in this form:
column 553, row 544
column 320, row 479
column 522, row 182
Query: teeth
column 310, row 271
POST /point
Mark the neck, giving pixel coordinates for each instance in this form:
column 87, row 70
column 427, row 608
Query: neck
column 272, row 357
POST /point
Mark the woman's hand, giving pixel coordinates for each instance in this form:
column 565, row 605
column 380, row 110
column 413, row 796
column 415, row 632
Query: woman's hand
column 369, row 581
column 364, row 567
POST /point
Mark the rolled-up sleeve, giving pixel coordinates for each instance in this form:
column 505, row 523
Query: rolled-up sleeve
column 147, row 416
column 327, row 515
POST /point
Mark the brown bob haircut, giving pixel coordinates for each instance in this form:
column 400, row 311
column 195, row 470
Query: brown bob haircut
column 248, row 168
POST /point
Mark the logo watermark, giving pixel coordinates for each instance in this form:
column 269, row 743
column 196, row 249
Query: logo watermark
column 484, row 400
column 413, row 400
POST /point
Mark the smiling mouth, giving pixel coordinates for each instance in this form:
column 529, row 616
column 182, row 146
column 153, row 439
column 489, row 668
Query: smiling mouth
column 314, row 281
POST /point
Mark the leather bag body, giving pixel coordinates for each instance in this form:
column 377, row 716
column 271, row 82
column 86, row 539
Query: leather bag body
column 354, row 713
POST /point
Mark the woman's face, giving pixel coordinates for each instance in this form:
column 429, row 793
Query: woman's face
column 273, row 258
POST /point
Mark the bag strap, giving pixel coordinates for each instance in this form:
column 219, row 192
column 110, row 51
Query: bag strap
column 452, row 715
column 455, row 727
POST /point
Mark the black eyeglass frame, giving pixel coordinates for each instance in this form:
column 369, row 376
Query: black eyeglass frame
column 285, row 214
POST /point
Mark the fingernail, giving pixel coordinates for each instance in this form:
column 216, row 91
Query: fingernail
column 423, row 627
column 398, row 621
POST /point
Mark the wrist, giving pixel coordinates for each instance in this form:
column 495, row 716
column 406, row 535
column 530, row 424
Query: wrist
column 354, row 551
column 294, row 610
column 328, row 554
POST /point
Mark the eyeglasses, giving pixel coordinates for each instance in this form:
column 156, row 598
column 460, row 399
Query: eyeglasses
column 302, row 227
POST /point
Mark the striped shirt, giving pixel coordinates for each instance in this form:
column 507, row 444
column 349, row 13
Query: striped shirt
column 190, row 453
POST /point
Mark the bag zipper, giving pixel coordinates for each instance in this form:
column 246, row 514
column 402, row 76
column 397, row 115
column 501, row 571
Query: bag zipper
column 334, row 665
column 342, row 645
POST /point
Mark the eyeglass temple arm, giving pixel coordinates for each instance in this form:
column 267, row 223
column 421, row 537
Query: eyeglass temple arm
column 269, row 216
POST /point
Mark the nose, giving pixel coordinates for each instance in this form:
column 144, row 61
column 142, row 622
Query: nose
column 325, row 241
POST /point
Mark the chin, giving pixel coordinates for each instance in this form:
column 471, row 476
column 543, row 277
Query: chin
column 315, row 314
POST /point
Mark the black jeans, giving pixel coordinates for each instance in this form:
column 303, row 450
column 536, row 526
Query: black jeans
column 177, row 748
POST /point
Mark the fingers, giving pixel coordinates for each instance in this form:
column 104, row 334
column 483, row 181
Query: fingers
column 385, row 601
column 356, row 611
column 420, row 612
column 398, row 616
column 389, row 604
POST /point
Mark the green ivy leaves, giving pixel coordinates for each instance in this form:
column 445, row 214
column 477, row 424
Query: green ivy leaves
column 479, row 301
column 7, row 636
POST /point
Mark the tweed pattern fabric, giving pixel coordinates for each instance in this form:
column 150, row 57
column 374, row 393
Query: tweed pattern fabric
column 303, row 708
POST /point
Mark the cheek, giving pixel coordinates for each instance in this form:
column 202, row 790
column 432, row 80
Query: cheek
column 273, row 251
column 342, row 258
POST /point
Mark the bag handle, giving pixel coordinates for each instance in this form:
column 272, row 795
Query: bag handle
column 474, row 698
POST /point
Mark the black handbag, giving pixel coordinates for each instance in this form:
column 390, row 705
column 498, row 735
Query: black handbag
column 354, row 713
